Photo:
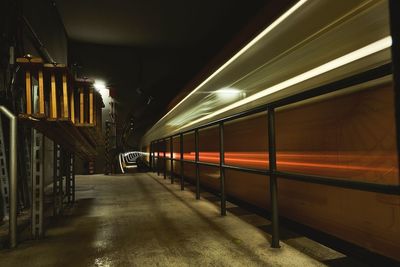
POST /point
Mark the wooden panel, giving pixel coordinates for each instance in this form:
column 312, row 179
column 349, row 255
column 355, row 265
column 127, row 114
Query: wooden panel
column 81, row 106
column 41, row 93
column 65, row 97
column 91, row 107
column 53, row 99
column 28, row 92
column 72, row 103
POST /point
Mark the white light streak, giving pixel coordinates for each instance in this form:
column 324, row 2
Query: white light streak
column 272, row 26
column 331, row 65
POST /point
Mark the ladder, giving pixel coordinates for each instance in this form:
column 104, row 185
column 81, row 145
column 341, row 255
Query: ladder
column 4, row 183
column 37, row 183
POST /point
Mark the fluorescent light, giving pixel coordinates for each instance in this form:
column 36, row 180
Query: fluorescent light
column 331, row 65
column 238, row 54
column 229, row 94
column 99, row 85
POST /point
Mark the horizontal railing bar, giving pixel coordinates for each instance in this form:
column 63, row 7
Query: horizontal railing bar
column 244, row 169
column 189, row 161
column 208, row 164
column 315, row 179
column 337, row 182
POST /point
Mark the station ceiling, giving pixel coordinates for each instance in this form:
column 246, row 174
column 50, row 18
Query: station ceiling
column 149, row 50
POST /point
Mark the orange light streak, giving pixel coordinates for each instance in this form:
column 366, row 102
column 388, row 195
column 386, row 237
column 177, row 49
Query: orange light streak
column 312, row 161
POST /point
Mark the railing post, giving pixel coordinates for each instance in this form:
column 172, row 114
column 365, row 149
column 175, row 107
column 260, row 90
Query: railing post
column 172, row 159
column 394, row 15
column 182, row 172
column 158, row 157
column 154, row 157
column 151, row 155
column 165, row 158
column 221, row 168
column 272, row 178
column 196, row 148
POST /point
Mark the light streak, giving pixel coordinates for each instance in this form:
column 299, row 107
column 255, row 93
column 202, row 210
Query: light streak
column 314, row 162
column 272, row 26
column 365, row 51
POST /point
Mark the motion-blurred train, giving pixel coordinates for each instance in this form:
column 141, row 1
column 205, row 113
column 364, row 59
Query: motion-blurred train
column 347, row 134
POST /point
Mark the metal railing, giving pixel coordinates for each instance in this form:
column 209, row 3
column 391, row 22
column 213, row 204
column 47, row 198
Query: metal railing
column 13, row 175
column 273, row 172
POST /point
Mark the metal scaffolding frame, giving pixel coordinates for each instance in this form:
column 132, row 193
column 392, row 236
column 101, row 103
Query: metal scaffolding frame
column 37, row 183
column 57, row 181
column 4, row 183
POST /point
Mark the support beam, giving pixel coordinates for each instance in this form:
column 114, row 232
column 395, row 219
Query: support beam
column 196, row 148
column 37, row 184
column 394, row 15
column 28, row 92
column 41, row 93
column 72, row 106
column 91, row 107
column 165, row 158
column 172, row 158
column 182, row 164
column 65, row 112
column 81, row 106
column 158, row 157
column 53, row 97
column 273, row 179
column 57, row 187
column 221, row 169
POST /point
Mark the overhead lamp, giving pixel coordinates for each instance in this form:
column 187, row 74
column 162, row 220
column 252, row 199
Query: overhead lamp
column 99, row 85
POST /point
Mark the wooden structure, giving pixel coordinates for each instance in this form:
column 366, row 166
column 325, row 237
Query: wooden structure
column 63, row 109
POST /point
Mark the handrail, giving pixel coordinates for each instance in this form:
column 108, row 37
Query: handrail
column 273, row 171
column 13, row 175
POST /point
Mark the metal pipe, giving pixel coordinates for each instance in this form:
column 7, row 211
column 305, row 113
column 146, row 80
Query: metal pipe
column 172, row 159
column 273, row 183
column 181, row 148
column 13, row 176
column 42, row 49
column 221, row 169
column 196, row 148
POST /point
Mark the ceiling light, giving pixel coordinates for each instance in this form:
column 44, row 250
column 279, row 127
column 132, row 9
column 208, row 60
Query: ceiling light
column 99, row 85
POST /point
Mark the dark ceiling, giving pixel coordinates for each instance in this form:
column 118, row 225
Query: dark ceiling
column 150, row 48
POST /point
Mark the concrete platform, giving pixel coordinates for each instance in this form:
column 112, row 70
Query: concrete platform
column 143, row 220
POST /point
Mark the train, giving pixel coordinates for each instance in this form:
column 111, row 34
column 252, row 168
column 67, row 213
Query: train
column 348, row 134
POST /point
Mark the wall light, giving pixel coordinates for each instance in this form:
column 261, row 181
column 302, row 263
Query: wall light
column 99, row 85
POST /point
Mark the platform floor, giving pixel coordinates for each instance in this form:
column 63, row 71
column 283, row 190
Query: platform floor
column 143, row 220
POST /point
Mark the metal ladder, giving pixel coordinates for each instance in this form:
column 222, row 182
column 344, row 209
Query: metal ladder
column 57, row 182
column 37, row 183
column 4, row 183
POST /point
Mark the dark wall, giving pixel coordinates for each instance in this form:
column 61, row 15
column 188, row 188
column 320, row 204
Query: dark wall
column 44, row 19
